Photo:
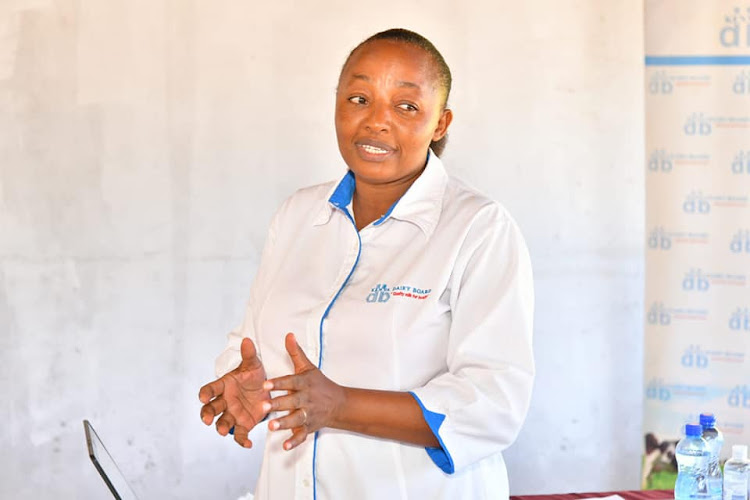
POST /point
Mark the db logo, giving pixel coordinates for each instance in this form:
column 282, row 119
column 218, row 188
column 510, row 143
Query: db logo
column 660, row 160
column 695, row 203
column 732, row 34
column 660, row 83
column 659, row 239
column 381, row 293
column 740, row 320
column 656, row 390
column 742, row 83
column 741, row 163
column 658, row 315
column 739, row 397
column 695, row 281
column 697, row 124
column 740, row 242
column 693, row 357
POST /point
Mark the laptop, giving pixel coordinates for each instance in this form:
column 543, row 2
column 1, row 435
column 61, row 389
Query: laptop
column 106, row 466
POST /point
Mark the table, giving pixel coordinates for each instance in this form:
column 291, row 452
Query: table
column 626, row 495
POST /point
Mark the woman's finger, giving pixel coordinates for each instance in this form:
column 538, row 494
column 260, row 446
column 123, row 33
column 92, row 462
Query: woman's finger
column 240, row 435
column 211, row 391
column 297, row 418
column 285, row 383
column 298, row 437
column 249, row 354
column 210, row 410
column 226, row 421
column 286, row 402
column 300, row 361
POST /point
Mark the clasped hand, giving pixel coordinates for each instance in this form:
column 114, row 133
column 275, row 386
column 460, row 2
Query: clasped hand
column 241, row 398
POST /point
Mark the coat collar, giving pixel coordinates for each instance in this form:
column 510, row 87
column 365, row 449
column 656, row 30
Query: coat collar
column 420, row 205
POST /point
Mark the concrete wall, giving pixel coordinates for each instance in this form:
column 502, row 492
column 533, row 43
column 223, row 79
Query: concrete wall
column 144, row 145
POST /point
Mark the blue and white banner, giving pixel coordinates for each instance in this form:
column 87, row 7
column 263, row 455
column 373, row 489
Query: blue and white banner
column 697, row 328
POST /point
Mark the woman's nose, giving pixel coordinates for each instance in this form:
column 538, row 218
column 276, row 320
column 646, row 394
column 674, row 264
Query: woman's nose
column 379, row 118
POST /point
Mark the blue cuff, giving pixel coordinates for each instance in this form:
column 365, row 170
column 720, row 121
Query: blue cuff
column 440, row 455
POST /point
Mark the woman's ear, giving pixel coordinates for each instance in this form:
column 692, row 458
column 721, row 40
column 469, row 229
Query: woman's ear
column 443, row 123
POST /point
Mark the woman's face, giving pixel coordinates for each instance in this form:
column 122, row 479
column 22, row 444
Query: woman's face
column 389, row 106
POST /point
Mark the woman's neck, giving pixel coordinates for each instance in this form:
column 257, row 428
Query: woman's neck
column 372, row 201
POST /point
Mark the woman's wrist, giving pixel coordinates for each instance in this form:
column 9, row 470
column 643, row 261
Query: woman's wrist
column 385, row 414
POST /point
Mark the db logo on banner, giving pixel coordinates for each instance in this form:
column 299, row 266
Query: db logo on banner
column 659, row 239
column 740, row 320
column 660, row 83
column 658, row 315
column 741, row 163
column 740, row 242
column 660, row 160
column 695, row 281
column 657, row 390
column 733, row 35
column 697, row 124
column 742, row 83
column 739, row 397
column 696, row 203
column 694, row 357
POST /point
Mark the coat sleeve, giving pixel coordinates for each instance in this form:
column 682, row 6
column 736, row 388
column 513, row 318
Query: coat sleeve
column 476, row 408
column 230, row 358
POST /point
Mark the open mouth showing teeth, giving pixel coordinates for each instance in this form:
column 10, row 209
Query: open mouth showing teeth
column 373, row 149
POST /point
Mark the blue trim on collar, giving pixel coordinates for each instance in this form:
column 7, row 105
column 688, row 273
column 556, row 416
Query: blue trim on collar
column 344, row 192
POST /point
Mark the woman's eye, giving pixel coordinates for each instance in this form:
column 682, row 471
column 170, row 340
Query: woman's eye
column 407, row 107
column 357, row 99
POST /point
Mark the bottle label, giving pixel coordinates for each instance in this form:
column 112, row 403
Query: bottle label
column 735, row 485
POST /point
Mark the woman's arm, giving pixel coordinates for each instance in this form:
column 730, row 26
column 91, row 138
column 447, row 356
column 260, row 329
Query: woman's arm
column 314, row 401
column 384, row 414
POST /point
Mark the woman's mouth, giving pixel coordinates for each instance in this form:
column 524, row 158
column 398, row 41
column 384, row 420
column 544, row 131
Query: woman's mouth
column 373, row 151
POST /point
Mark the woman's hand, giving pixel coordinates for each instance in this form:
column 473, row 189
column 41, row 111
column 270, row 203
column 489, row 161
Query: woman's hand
column 239, row 397
column 312, row 399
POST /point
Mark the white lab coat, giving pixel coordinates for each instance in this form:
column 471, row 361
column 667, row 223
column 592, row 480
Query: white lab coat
column 434, row 298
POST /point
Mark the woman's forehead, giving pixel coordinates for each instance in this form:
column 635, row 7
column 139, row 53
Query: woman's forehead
column 378, row 56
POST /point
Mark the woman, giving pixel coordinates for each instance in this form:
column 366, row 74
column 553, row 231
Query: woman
column 410, row 300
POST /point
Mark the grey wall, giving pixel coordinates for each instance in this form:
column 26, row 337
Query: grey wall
column 144, row 145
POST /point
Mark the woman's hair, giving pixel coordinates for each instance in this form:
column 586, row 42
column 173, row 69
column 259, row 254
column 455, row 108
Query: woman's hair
column 441, row 68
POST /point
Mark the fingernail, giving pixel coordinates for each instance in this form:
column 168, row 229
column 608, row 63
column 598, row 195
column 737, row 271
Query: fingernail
column 266, row 406
column 287, row 446
column 267, row 385
column 273, row 425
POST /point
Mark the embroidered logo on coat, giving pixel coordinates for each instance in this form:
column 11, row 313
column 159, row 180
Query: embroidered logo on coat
column 382, row 293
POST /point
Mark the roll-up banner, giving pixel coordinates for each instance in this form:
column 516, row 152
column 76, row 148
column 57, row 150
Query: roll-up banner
column 697, row 297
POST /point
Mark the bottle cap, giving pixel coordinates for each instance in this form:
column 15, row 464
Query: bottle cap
column 693, row 430
column 707, row 420
column 739, row 452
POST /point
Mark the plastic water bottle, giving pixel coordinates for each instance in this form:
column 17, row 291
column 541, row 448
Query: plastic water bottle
column 737, row 474
column 692, row 465
column 715, row 440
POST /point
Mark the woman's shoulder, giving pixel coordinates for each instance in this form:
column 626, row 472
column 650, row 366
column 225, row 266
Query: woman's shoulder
column 465, row 201
column 305, row 199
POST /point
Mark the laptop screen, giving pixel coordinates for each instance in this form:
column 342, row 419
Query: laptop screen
column 106, row 465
